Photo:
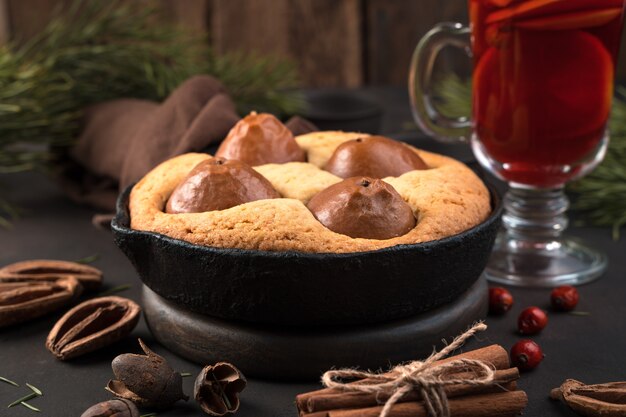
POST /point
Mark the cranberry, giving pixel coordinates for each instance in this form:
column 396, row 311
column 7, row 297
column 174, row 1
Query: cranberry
column 526, row 355
column 532, row 320
column 564, row 298
column 500, row 300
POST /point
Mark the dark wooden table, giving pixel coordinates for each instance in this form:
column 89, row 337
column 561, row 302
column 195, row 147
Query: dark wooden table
column 590, row 348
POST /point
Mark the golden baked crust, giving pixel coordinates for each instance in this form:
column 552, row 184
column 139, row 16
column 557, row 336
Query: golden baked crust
column 447, row 199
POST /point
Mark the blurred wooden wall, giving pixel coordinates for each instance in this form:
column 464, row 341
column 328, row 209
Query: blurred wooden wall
column 335, row 42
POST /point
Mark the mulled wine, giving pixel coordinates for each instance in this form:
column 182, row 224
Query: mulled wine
column 542, row 84
column 542, row 91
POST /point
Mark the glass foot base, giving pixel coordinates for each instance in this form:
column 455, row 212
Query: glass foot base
column 526, row 263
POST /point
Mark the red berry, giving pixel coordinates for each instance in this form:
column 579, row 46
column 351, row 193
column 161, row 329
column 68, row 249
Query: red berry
column 526, row 355
column 564, row 298
column 500, row 300
column 532, row 320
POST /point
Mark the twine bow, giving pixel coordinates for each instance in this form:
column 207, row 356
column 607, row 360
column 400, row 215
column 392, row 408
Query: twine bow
column 427, row 377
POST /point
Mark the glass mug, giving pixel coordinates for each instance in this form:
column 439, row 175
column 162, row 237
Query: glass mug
column 542, row 87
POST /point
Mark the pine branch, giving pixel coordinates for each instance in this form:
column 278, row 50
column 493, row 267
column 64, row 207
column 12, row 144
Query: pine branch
column 247, row 77
column 601, row 195
column 100, row 50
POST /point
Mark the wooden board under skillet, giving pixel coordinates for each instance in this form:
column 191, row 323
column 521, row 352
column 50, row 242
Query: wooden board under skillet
column 303, row 353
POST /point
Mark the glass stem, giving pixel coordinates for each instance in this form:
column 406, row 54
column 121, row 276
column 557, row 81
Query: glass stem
column 535, row 214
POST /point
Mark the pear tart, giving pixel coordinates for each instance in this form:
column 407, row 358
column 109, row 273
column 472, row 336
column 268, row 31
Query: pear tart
column 323, row 192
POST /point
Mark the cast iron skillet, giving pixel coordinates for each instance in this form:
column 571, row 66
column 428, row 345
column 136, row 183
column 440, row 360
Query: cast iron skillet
column 306, row 289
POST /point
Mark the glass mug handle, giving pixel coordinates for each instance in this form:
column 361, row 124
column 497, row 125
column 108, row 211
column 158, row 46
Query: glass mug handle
column 443, row 128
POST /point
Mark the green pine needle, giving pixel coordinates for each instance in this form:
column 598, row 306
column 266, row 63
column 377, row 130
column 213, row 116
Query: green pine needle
column 8, row 381
column 34, row 389
column 114, row 290
column 88, row 259
column 454, row 96
column 599, row 197
column 30, row 407
column 22, row 399
column 8, row 213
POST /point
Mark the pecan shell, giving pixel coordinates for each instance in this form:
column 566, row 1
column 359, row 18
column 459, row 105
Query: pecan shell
column 599, row 400
column 217, row 389
column 92, row 325
column 24, row 300
column 147, row 380
column 51, row 270
column 112, row 408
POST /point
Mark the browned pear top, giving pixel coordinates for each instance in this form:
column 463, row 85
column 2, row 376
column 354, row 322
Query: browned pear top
column 218, row 184
column 373, row 156
column 260, row 139
column 363, row 207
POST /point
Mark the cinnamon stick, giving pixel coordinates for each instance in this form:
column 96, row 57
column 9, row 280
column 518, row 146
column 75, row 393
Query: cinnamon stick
column 336, row 399
column 501, row 404
column 495, row 355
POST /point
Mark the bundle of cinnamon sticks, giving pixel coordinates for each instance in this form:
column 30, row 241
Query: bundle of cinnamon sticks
column 501, row 399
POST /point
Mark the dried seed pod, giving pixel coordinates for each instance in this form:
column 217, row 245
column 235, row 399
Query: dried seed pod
column 147, row 380
column 599, row 400
column 24, row 300
column 217, row 389
column 118, row 407
column 51, row 270
column 92, row 325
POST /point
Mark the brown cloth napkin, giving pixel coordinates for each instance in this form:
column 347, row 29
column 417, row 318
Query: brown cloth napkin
column 123, row 139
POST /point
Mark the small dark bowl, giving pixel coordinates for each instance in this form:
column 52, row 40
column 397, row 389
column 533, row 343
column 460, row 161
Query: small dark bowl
column 342, row 110
column 293, row 288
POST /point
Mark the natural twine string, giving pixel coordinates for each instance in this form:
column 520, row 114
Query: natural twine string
column 427, row 377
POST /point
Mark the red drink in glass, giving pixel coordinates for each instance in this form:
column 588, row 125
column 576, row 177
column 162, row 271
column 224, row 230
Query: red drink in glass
column 542, row 90
column 543, row 84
